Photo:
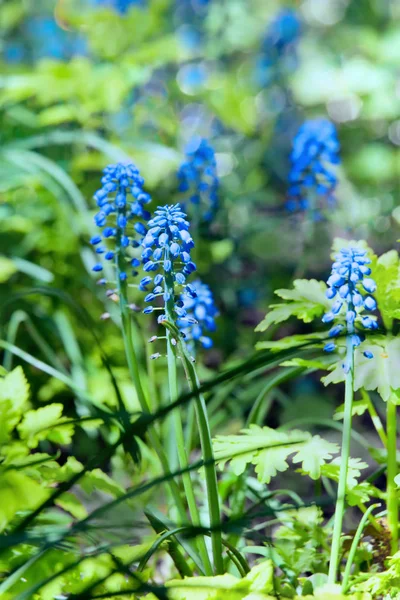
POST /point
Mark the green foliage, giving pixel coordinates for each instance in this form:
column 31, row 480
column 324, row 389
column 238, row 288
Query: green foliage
column 379, row 374
column 268, row 450
column 306, row 301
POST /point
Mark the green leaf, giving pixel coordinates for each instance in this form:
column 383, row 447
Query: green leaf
column 386, row 273
column 15, row 387
column 380, row 373
column 265, row 448
column 70, row 503
column 307, row 300
column 96, row 480
column 18, row 493
column 41, row 424
column 7, row 268
column 313, row 455
column 332, row 470
column 261, row 578
column 292, row 341
column 361, row 493
column 358, row 408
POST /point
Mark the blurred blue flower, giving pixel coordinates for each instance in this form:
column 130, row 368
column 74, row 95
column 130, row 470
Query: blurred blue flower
column 167, row 247
column 312, row 179
column 199, row 305
column 352, row 287
column 198, row 178
column 278, row 48
column 14, row 52
column 48, row 40
column 121, row 6
column 121, row 201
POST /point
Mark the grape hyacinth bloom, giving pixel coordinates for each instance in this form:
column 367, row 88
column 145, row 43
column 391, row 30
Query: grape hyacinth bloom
column 352, row 289
column 278, row 48
column 121, row 201
column 201, row 307
column 167, row 247
column 198, row 178
column 312, row 178
column 121, row 6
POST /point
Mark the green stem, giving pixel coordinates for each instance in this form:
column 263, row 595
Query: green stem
column 392, row 503
column 209, row 462
column 135, row 375
column 344, row 461
column 178, row 426
column 354, row 545
column 376, row 421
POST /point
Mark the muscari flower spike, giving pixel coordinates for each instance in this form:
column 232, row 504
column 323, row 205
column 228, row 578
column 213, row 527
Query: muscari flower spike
column 350, row 285
column 312, row 178
column 121, row 201
column 278, row 48
column 120, row 6
column 198, row 178
column 167, row 247
column 201, row 307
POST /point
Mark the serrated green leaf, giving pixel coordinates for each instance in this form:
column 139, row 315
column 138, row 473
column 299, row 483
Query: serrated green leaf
column 386, row 273
column 358, row 408
column 307, row 300
column 313, row 455
column 332, row 470
column 41, row 424
column 15, row 387
column 265, row 448
column 361, row 493
column 380, row 373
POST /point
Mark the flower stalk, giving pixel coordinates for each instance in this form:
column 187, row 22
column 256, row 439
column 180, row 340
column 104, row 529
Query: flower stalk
column 344, row 462
column 391, row 488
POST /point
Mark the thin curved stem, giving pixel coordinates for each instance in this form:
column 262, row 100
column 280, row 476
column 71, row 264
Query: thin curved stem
column 354, row 545
column 178, row 426
column 209, row 461
column 391, row 491
column 344, row 462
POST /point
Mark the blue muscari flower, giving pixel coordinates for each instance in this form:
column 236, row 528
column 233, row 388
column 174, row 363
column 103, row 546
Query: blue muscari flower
column 312, row 179
column 351, row 287
column 121, row 6
column 199, row 304
column 197, row 177
column 121, row 201
column 167, row 247
column 278, row 48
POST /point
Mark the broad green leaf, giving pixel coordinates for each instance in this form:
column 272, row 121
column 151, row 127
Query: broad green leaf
column 313, row 455
column 18, row 493
column 380, row 373
column 96, row 480
column 306, row 301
